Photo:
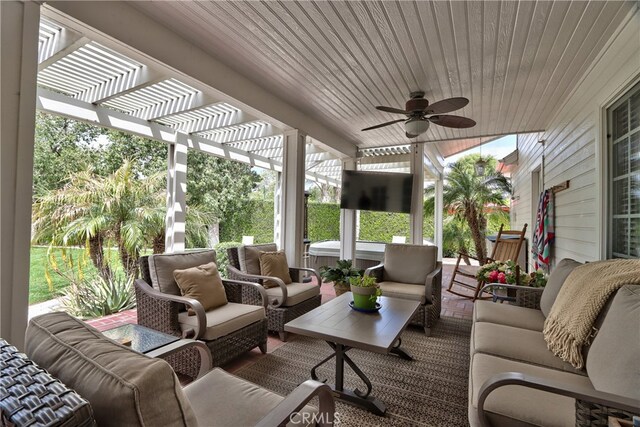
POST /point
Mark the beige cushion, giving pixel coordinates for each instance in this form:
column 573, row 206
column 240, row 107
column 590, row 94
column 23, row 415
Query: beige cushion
column 249, row 256
column 220, row 399
column 408, row 263
column 124, row 388
column 162, row 266
column 509, row 315
column 224, row 320
column 554, row 283
column 202, row 283
column 274, row 264
column 613, row 362
column 520, row 403
column 404, row 290
column 296, row 293
column 518, row 344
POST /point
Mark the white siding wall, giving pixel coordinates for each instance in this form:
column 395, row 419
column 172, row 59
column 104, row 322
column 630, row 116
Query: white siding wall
column 573, row 150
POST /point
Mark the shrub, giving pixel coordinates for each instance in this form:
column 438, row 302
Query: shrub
column 97, row 297
column 221, row 256
column 324, row 221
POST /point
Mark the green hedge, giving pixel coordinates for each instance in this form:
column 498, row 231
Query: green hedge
column 256, row 220
column 221, row 256
column 324, row 224
column 324, row 221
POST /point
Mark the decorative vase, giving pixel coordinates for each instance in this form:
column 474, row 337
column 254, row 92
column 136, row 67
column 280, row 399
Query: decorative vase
column 340, row 288
column 362, row 297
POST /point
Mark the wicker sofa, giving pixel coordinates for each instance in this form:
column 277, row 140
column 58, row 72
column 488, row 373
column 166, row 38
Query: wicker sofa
column 514, row 380
column 72, row 375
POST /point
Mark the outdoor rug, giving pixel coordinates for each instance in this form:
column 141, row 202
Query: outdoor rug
column 431, row 390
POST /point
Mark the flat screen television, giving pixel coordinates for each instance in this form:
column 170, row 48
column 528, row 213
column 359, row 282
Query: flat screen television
column 376, row 191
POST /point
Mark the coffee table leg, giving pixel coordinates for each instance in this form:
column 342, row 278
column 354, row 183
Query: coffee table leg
column 313, row 370
column 400, row 352
column 356, row 397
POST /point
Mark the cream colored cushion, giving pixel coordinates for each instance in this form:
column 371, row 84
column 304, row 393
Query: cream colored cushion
column 124, row 388
column 408, row 263
column 202, row 283
column 296, row 293
column 508, row 315
column 404, row 290
column 521, row 403
column 554, row 283
column 162, row 266
column 249, row 256
column 220, row 399
column 613, row 361
column 274, row 264
column 518, row 344
column 224, row 320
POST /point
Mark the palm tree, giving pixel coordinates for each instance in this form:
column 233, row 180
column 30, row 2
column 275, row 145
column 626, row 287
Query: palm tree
column 467, row 195
column 121, row 208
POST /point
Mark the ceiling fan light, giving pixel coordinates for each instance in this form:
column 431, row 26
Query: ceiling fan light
column 416, row 126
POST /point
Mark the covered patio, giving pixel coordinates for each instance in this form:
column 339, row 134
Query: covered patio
column 287, row 87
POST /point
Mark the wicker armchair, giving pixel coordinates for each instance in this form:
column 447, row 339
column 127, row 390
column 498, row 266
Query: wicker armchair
column 166, row 312
column 286, row 302
column 412, row 272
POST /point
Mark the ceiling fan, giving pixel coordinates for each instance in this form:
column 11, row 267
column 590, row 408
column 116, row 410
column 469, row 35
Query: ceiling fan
column 420, row 113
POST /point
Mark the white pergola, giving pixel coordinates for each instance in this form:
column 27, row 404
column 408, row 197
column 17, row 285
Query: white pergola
column 61, row 65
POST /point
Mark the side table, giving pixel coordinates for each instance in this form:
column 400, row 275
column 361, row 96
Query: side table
column 158, row 344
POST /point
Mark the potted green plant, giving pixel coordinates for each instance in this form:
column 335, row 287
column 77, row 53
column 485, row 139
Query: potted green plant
column 340, row 275
column 365, row 292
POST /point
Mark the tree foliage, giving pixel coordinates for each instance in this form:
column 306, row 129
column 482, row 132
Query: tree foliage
column 121, row 208
column 471, row 199
column 221, row 188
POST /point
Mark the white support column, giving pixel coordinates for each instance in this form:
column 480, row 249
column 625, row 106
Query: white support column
column 417, row 197
column 292, row 196
column 438, row 214
column 176, row 194
column 19, row 28
column 348, row 224
column 277, row 217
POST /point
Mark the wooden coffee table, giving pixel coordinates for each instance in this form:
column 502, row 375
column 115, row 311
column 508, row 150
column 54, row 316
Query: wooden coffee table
column 343, row 329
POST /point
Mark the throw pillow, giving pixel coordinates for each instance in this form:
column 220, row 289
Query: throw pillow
column 274, row 264
column 202, row 283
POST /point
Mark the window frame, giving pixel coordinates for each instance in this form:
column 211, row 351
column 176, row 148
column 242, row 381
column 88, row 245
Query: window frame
column 608, row 175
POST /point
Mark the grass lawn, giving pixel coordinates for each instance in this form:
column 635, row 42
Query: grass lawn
column 39, row 290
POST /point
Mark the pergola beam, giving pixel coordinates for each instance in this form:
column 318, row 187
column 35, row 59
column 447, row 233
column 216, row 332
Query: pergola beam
column 69, row 41
column 200, row 100
column 59, row 104
column 123, row 84
column 120, row 26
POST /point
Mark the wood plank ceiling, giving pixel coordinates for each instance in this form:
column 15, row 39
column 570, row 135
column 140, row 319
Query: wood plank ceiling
column 335, row 60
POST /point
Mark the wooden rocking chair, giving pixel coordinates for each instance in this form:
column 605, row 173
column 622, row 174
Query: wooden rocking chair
column 507, row 247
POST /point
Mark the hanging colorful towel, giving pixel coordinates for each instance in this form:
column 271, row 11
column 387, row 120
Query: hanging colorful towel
column 543, row 235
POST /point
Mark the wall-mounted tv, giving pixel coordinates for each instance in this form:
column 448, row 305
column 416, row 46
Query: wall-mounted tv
column 376, row 191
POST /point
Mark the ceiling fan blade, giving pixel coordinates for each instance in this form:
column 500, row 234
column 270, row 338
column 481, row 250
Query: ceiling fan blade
column 384, row 124
column 391, row 110
column 452, row 121
column 411, row 136
column 447, row 105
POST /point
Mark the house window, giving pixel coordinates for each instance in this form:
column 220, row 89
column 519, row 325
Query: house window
column 624, row 176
